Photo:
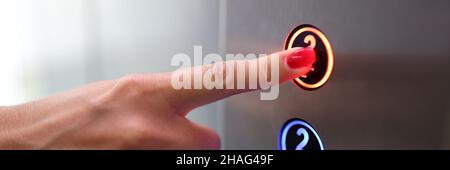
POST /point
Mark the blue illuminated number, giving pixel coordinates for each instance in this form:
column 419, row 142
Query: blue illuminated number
column 300, row 132
column 303, row 130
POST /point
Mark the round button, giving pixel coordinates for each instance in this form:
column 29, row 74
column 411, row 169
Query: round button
column 310, row 36
column 297, row 134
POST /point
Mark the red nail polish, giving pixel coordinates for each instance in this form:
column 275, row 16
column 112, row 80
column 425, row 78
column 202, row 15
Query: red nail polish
column 301, row 58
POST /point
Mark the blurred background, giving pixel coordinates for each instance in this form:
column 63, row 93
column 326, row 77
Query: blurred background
column 389, row 89
column 50, row 46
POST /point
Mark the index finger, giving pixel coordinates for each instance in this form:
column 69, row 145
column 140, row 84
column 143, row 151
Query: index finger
column 200, row 85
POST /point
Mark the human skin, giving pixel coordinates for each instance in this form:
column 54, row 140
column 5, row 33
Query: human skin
column 139, row 111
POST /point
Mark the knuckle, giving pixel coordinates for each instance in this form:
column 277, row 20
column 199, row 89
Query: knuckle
column 131, row 80
column 130, row 83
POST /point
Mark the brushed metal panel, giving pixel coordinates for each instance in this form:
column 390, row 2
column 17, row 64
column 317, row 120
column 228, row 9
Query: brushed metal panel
column 389, row 89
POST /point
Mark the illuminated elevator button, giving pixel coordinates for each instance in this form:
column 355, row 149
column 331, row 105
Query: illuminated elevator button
column 310, row 36
column 297, row 134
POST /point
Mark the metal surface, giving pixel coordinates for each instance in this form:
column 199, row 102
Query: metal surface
column 390, row 86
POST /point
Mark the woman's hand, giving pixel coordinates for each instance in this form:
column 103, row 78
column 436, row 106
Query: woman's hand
column 136, row 111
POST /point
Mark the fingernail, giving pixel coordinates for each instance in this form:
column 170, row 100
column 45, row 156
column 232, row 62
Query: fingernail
column 302, row 57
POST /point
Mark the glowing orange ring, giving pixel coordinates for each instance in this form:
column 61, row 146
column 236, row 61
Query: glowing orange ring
column 330, row 56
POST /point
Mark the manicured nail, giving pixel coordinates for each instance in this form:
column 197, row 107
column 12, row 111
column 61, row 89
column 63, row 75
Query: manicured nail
column 301, row 57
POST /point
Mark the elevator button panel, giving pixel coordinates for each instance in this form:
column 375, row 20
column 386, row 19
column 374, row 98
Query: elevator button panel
column 310, row 36
column 297, row 134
